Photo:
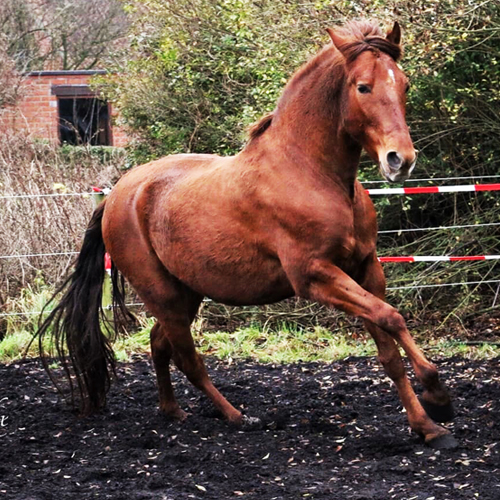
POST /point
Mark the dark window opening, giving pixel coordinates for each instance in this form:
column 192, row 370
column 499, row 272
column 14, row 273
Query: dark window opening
column 84, row 121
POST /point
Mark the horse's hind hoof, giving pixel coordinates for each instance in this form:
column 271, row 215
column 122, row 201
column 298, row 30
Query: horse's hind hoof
column 175, row 414
column 251, row 423
column 444, row 442
column 438, row 413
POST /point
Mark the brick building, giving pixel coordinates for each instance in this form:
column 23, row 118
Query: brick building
column 61, row 107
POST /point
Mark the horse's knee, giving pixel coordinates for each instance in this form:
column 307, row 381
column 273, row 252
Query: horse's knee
column 390, row 320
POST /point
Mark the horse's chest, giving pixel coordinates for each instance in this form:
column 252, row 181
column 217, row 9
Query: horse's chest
column 350, row 252
column 351, row 247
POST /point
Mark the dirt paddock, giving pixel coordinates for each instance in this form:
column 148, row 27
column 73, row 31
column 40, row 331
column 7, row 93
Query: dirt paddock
column 332, row 431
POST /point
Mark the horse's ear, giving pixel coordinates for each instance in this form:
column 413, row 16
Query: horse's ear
column 394, row 36
column 337, row 40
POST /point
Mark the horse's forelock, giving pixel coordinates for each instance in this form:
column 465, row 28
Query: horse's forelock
column 361, row 36
column 376, row 44
column 360, row 30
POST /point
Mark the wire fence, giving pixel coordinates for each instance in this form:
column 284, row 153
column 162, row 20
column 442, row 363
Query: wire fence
column 382, row 191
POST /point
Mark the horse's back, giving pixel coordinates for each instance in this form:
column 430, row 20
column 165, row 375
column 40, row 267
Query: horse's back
column 165, row 170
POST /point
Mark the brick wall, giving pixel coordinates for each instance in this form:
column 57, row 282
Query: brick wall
column 118, row 136
column 37, row 112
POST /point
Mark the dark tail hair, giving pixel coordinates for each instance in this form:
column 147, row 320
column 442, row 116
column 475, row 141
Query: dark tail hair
column 76, row 323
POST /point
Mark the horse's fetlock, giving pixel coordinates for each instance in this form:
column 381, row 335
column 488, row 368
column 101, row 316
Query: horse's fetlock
column 429, row 376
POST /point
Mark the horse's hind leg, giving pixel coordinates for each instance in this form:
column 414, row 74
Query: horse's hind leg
column 191, row 364
column 175, row 307
column 161, row 351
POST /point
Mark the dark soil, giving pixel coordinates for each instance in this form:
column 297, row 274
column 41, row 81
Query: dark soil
column 331, row 432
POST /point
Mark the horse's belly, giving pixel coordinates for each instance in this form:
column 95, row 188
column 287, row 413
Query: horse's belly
column 231, row 279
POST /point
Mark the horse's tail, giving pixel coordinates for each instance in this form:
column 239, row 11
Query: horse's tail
column 75, row 325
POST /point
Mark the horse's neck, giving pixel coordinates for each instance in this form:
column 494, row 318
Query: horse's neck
column 308, row 123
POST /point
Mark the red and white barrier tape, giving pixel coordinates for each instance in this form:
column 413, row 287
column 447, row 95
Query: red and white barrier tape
column 372, row 192
column 107, row 263
column 473, row 178
column 98, row 190
column 435, row 189
column 438, row 258
column 415, row 190
column 413, row 258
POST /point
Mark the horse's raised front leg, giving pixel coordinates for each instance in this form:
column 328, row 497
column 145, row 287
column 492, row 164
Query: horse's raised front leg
column 435, row 400
column 327, row 284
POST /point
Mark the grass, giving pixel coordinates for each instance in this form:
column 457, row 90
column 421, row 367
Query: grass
column 284, row 342
column 13, row 345
column 287, row 344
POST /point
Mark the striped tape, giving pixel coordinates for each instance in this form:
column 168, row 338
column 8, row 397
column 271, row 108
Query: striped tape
column 438, row 258
column 98, row 190
column 410, row 190
column 435, row 189
column 107, row 263
column 373, row 192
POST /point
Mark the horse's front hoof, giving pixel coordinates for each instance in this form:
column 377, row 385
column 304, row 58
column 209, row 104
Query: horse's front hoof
column 443, row 442
column 438, row 413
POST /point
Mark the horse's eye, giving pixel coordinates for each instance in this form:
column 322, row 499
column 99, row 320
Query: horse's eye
column 364, row 89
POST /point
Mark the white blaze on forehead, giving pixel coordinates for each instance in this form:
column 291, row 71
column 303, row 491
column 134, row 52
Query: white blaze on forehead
column 392, row 77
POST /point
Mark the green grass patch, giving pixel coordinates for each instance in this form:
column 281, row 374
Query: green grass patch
column 12, row 347
column 282, row 343
column 287, row 344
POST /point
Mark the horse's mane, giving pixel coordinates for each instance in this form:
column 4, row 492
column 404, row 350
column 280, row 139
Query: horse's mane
column 261, row 126
column 359, row 37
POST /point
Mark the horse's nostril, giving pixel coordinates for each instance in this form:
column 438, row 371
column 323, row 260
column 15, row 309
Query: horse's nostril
column 394, row 160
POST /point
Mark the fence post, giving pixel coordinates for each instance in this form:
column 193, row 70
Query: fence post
column 98, row 196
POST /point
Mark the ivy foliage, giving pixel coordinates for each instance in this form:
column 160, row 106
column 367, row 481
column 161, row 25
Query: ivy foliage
column 201, row 72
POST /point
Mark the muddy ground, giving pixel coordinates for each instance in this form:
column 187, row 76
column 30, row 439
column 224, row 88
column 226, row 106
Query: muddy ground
column 331, row 432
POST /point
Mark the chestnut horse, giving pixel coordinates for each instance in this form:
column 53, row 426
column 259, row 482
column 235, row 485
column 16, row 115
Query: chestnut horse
column 284, row 217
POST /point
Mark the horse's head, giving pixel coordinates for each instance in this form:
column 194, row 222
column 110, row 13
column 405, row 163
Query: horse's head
column 374, row 97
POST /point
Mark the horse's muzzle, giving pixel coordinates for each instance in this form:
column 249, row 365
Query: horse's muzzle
column 396, row 167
